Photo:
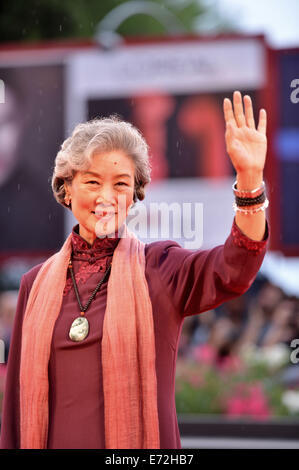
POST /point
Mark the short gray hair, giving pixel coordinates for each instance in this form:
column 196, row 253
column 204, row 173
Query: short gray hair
column 101, row 135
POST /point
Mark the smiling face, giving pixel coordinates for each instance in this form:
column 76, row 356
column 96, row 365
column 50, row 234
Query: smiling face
column 102, row 195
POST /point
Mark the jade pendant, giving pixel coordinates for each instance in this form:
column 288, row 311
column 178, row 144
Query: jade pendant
column 79, row 329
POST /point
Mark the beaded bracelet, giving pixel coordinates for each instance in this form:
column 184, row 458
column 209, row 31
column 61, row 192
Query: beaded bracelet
column 250, row 201
column 248, row 192
column 251, row 211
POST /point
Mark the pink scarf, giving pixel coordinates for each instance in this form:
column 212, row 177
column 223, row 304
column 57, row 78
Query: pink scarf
column 128, row 350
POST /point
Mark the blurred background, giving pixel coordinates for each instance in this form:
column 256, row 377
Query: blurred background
column 166, row 66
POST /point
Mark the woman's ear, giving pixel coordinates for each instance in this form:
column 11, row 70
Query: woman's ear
column 67, row 197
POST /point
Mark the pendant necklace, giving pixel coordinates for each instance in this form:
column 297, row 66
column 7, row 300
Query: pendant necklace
column 80, row 327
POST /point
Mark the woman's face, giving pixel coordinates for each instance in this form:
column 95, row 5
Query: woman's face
column 102, row 195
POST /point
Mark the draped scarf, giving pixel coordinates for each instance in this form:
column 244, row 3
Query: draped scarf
column 128, row 350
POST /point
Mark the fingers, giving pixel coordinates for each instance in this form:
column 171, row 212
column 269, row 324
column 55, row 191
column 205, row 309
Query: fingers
column 238, row 108
column 262, row 125
column 237, row 117
column 249, row 112
column 228, row 112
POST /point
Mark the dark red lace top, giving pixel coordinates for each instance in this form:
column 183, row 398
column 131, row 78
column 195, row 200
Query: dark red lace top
column 90, row 259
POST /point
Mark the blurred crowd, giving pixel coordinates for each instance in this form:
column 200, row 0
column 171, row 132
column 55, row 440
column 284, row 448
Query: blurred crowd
column 262, row 319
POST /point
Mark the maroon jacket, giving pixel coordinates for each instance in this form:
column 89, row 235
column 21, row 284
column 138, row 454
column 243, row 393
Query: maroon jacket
column 181, row 283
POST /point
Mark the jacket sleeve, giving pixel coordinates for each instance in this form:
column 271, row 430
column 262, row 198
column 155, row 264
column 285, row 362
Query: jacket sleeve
column 10, row 419
column 199, row 280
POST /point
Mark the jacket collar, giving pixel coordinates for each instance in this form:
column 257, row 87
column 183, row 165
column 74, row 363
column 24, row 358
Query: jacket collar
column 100, row 245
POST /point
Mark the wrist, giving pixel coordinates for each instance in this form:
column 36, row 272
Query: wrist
column 249, row 180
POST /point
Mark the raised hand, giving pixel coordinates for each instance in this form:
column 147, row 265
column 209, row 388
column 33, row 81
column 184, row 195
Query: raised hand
column 247, row 148
column 245, row 144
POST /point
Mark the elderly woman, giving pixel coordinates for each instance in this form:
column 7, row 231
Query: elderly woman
column 97, row 327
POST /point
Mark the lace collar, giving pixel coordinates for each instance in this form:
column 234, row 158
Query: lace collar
column 99, row 246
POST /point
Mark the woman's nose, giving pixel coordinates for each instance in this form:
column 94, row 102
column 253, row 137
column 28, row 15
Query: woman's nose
column 106, row 194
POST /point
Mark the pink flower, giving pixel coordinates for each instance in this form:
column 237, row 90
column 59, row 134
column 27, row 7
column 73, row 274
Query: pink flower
column 2, row 370
column 235, row 406
column 257, row 402
column 205, row 354
column 248, row 400
column 230, row 364
column 2, row 376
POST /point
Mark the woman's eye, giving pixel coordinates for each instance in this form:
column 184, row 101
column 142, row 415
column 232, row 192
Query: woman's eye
column 96, row 182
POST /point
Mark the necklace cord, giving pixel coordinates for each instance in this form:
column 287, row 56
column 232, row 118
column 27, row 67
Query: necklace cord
column 83, row 309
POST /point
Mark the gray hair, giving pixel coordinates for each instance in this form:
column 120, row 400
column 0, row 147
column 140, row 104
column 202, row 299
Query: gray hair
column 100, row 135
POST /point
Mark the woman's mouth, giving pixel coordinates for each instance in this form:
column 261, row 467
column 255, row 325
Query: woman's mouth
column 104, row 215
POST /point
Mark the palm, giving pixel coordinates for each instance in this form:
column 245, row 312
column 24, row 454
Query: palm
column 245, row 144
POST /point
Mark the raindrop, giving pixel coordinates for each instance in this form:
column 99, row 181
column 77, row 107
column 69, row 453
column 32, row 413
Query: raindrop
column 8, row 209
column 60, row 27
column 19, row 186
